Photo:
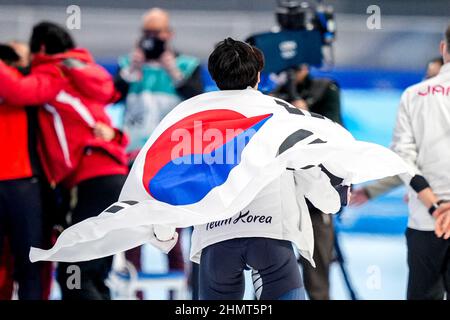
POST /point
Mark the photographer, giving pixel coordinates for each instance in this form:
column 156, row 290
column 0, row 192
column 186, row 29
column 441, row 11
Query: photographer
column 155, row 78
column 152, row 81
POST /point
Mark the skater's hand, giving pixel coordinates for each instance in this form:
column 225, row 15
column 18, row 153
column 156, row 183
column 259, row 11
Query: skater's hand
column 104, row 132
column 442, row 226
column 164, row 233
column 358, row 197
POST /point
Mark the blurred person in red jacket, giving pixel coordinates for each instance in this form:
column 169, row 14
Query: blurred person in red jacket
column 17, row 55
column 77, row 145
column 50, row 201
column 21, row 206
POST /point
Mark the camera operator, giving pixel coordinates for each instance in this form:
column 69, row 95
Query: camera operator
column 304, row 30
column 320, row 96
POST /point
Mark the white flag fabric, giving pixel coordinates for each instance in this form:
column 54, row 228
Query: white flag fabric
column 208, row 159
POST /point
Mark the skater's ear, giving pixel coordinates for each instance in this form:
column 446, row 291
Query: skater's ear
column 258, row 81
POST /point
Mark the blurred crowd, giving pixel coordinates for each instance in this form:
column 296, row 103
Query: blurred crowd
column 63, row 161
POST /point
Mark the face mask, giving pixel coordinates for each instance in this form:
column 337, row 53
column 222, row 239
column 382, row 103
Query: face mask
column 152, row 47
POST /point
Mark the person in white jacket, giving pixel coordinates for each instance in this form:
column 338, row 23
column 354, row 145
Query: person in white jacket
column 422, row 138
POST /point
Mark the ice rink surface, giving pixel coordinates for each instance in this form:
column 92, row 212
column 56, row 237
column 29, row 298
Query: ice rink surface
column 376, row 266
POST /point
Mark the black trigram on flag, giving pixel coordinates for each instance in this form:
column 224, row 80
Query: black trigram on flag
column 293, row 110
column 299, row 135
column 116, row 207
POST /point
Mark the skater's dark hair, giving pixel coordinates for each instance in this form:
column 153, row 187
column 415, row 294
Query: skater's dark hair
column 234, row 65
column 54, row 37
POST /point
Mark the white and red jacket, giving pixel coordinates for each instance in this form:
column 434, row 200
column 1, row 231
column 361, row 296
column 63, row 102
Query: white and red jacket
column 72, row 92
column 422, row 138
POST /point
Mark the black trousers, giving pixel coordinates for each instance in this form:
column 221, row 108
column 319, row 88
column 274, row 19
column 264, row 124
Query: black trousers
column 317, row 280
column 93, row 196
column 275, row 271
column 429, row 265
column 21, row 219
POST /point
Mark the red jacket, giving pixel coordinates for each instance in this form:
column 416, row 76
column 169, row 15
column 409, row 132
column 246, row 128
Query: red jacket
column 72, row 92
column 15, row 160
